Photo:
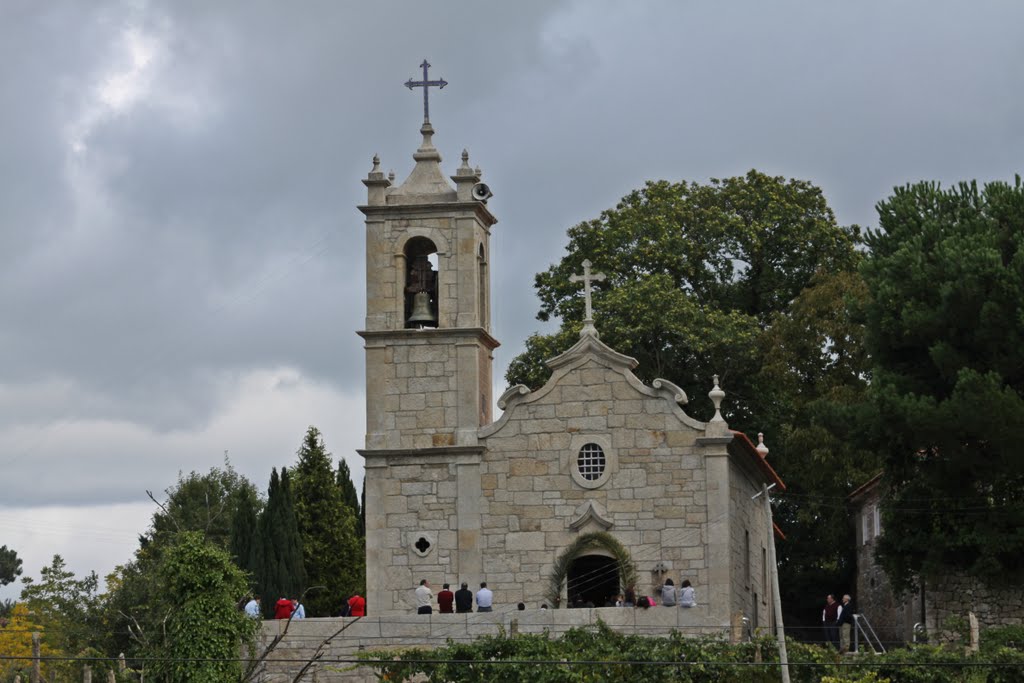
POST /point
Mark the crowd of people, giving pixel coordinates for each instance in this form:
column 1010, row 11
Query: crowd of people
column 292, row 608
column 461, row 601
column 449, row 602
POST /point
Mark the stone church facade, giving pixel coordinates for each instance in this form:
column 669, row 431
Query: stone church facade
column 454, row 495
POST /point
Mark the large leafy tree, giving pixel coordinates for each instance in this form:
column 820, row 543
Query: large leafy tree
column 750, row 278
column 10, row 565
column 331, row 551
column 694, row 274
column 137, row 601
column 68, row 609
column 946, row 333
column 201, row 502
column 203, row 631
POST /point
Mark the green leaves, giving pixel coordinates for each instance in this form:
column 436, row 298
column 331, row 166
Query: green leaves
column 944, row 325
column 331, row 548
column 204, row 631
column 10, row 565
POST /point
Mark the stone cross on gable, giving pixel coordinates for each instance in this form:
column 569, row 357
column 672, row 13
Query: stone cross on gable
column 587, row 278
column 425, row 84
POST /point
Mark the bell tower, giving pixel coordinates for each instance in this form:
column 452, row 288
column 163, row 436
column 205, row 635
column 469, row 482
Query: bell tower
column 427, row 332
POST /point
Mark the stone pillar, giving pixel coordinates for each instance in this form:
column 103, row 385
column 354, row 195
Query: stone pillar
column 378, row 599
column 470, row 561
column 719, row 557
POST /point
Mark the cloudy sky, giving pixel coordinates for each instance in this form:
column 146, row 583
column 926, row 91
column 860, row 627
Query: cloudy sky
column 181, row 259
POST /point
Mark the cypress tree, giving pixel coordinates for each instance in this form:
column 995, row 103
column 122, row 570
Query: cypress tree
column 348, row 489
column 283, row 572
column 327, row 526
column 244, row 531
column 362, row 511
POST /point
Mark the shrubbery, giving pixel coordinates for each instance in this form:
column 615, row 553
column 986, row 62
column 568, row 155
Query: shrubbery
column 600, row 654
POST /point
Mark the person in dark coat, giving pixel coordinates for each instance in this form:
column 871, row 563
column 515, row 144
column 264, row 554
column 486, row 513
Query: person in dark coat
column 845, row 623
column 463, row 599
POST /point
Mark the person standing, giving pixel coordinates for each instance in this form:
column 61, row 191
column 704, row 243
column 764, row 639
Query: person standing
column 445, row 600
column 829, row 616
column 298, row 610
column 484, row 598
column 357, row 606
column 845, row 623
column 687, row 596
column 463, row 599
column 424, row 596
column 283, row 608
column 668, row 594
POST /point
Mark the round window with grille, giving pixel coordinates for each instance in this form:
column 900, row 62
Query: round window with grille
column 591, row 462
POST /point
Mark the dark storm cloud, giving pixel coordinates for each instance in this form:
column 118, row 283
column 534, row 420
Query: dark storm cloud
column 206, row 227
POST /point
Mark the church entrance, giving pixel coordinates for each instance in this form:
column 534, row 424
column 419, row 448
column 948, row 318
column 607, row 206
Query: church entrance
column 593, row 580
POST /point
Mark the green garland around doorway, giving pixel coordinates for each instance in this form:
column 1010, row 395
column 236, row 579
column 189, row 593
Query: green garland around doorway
column 601, row 540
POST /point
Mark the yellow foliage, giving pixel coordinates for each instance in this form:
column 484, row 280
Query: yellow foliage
column 16, row 641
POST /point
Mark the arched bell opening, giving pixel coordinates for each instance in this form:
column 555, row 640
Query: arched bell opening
column 421, row 276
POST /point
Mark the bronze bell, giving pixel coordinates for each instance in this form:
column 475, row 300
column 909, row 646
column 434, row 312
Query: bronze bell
column 421, row 313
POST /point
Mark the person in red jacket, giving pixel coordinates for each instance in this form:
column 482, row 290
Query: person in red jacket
column 283, row 608
column 445, row 600
column 357, row 606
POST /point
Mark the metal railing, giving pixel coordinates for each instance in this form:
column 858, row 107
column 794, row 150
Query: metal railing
column 861, row 626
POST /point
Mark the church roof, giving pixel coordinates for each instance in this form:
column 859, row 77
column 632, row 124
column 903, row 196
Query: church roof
column 747, row 446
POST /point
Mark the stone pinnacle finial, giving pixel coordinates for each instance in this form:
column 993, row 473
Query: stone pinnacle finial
column 761, row 448
column 391, row 175
column 376, row 164
column 716, row 395
column 587, row 278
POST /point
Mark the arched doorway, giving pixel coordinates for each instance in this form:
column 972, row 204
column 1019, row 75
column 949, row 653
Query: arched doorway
column 592, row 580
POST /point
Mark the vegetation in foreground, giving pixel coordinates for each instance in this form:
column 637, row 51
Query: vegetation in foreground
column 600, row 654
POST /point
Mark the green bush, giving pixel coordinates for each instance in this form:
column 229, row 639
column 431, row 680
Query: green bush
column 1002, row 636
column 598, row 653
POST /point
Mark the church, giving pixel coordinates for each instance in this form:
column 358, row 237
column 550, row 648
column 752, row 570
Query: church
column 590, row 485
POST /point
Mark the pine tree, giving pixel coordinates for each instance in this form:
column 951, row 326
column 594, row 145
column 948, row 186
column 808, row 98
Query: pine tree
column 946, row 335
column 327, row 526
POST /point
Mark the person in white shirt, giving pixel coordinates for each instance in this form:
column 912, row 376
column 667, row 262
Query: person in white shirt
column 687, row 596
column 484, row 598
column 424, row 596
column 252, row 608
column 300, row 610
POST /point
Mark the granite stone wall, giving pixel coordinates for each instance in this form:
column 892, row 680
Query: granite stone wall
column 397, row 632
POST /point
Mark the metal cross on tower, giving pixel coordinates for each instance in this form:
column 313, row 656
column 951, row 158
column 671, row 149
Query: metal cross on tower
column 425, row 84
column 586, row 279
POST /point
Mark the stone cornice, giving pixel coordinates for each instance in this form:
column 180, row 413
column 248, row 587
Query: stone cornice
column 473, row 333
column 429, row 209
column 445, row 451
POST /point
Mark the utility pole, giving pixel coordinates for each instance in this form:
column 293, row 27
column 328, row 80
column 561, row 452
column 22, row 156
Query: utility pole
column 773, row 564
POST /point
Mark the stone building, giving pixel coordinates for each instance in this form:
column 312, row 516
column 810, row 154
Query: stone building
column 936, row 601
column 575, row 483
